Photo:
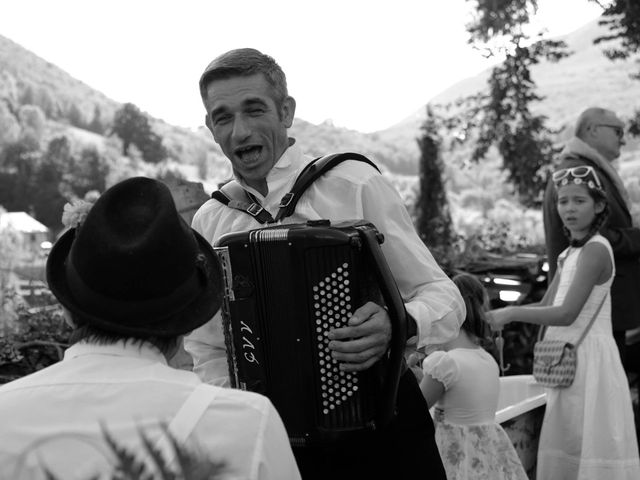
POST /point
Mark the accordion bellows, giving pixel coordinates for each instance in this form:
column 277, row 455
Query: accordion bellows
column 286, row 287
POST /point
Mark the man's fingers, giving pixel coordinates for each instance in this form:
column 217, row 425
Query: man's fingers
column 359, row 361
column 357, row 345
column 363, row 314
column 359, row 326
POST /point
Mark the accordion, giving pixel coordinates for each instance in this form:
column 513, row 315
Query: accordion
column 286, row 287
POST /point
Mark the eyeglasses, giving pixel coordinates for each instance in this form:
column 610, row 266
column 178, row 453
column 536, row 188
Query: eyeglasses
column 617, row 128
column 577, row 173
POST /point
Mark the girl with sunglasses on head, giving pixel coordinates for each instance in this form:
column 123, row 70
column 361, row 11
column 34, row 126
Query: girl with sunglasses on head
column 588, row 427
column 597, row 142
column 462, row 381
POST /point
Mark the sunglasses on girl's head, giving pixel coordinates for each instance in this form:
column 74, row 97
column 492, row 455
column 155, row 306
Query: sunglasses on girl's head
column 576, row 172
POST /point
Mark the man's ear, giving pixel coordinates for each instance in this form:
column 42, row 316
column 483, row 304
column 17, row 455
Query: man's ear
column 288, row 111
column 591, row 129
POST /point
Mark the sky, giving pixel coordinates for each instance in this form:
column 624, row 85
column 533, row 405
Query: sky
column 361, row 64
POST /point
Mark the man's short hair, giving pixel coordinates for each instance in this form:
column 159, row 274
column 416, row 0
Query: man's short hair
column 85, row 332
column 244, row 62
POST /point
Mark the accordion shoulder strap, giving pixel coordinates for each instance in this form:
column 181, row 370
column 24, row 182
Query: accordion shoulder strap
column 234, row 196
column 310, row 174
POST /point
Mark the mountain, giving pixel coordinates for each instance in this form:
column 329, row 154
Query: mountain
column 584, row 79
column 27, row 78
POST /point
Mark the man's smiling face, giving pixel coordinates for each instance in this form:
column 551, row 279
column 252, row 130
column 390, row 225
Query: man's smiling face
column 249, row 125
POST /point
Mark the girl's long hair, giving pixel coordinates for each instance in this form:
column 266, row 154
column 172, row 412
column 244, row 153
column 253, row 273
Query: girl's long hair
column 475, row 298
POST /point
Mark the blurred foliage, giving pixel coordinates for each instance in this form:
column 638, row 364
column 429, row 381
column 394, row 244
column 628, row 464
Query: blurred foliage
column 622, row 19
column 191, row 464
column 116, row 460
column 498, row 18
column 34, row 336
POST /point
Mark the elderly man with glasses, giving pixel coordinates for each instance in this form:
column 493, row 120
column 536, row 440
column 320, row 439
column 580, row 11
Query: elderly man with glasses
column 599, row 134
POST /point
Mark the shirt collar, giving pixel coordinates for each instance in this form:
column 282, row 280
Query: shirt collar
column 144, row 351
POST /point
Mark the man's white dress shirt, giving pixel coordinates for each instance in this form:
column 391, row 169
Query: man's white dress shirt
column 53, row 417
column 353, row 190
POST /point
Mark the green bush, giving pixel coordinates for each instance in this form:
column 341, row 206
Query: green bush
column 34, row 339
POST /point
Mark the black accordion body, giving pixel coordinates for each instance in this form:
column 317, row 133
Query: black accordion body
column 286, row 287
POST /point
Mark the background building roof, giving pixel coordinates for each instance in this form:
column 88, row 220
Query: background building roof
column 22, row 222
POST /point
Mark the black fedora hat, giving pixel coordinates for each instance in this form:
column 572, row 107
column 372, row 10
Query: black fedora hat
column 134, row 266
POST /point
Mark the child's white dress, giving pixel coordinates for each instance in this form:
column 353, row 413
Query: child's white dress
column 588, row 429
column 471, row 444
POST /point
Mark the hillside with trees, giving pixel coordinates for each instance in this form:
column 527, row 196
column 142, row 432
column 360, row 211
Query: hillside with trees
column 60, row 138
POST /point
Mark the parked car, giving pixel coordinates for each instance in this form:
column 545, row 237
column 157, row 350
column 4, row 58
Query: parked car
column 512, row 280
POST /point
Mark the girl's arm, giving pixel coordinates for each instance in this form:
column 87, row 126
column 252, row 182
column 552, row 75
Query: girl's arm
column 593, row 268
column 432, row 389
column 550, row 294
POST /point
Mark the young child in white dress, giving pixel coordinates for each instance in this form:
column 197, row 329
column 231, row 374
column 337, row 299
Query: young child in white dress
column 462, row 382
column 588, row 428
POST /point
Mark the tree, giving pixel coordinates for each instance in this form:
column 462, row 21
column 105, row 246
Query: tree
column 18, row 164
column 27, row 96
column 96, row 125
column 47, row 198
column 152, row 149
column 622, row 17
column 133, row 128
column 433, row 219
column 8, row 89
column 75, row 116
column 33, row 122
column 88, row 173
column 502, row 118
column 46, row 102
column 9, row 126
column 129, row 124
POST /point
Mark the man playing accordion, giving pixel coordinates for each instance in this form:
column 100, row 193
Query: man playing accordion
column 248, row 111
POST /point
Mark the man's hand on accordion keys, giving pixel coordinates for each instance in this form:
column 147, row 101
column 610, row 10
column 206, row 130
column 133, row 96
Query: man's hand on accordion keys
column 364, row 341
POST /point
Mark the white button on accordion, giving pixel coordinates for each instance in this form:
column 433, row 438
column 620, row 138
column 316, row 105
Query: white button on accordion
column 286, row 287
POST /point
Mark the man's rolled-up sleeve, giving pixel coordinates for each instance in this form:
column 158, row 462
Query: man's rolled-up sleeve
column 431, row 298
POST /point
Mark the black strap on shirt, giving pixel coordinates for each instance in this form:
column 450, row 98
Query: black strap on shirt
column 234, row 196
column 230, row 195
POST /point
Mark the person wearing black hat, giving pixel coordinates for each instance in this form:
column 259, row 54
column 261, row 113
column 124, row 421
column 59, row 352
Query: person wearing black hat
column 133, row 279
column 249, row 112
